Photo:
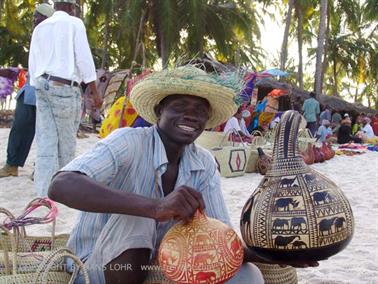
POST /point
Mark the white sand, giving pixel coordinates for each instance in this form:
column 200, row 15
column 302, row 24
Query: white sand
column 357, row 176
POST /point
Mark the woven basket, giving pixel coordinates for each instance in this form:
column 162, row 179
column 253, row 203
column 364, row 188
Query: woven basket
column 258, row 138
column 25, row 243
column 211, row 139
column 20, row 253
column 304, row 137
column 45, row 274
column 232, row 160
column 275, row 274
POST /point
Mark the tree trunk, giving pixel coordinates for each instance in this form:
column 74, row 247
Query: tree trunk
column 104, row 58
column 164, row 51
column 1, row 9
column 320, row 48
column 300, row 45
column 335, row 91
column 286, row 36
column 356, row 96
column 325, row 61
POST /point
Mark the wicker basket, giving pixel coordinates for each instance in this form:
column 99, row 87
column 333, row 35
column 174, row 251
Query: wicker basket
column 211, row 139
column 25, row 243
column 45, row 274
column 20, row 253
column 275, row 274
column 305, row 137
column 258, row 139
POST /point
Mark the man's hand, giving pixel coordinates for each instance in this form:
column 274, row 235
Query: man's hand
column 180, row 204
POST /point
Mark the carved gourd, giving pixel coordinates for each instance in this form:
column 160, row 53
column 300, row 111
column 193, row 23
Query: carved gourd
column 203, row 251
column 296, row 213
column 264, row 161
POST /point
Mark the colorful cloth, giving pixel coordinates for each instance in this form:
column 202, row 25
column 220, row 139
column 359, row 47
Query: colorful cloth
column 266, row 118
column 114, row 120
column 6, row 83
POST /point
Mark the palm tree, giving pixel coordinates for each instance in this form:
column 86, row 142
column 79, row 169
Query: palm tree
column 286, row 35
column 320, row 46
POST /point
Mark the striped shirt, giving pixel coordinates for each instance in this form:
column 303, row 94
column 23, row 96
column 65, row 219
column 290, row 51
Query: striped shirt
column 132, row 159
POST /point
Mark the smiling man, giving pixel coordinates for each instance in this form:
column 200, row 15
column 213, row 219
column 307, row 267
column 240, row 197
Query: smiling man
column 138, row 182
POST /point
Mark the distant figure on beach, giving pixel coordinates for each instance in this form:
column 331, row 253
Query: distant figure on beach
column 325, row 114
column 325, row 131
column 297, row 104
column 138, row 182
column 59, row 59
column 367, row 130
column 335, row 121
column 311, row 110
column 344, row 134
column 374, row 123
column 357, row 125
column 23, row 128
column 236, row 126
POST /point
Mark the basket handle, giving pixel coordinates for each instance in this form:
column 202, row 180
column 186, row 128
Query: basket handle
column 257, row 132
column 46, row 265
column 227, row 134
column 50, row 217
column 5, row 252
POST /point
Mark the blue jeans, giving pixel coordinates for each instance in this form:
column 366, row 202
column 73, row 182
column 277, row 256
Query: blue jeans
column 58, row 119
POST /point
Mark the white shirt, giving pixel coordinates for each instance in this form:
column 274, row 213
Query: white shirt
column 368, row 130
column 59, row 47
column 233, row 124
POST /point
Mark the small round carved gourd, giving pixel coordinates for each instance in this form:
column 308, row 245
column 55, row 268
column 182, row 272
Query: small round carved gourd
column 203, row 251
column 295, row 213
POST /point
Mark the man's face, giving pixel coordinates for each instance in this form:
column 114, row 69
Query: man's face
column 182, row 118
column 37, row 18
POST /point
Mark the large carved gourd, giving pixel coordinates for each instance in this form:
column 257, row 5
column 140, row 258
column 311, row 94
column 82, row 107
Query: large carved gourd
column 295, row 213
column 203, row 251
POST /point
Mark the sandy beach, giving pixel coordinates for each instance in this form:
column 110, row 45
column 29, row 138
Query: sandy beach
column 356, row 175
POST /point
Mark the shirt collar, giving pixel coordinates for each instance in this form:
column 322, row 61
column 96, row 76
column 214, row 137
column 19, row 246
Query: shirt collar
column 189, row 159
column 60, row 13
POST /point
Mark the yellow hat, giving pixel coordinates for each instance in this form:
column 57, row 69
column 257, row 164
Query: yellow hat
column 186, row 80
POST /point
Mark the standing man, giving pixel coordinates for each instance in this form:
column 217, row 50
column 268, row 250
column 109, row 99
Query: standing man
column 59, row 59
column 23, row 129
column 311, row 110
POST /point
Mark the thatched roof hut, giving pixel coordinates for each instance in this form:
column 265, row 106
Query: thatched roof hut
column 267, row 84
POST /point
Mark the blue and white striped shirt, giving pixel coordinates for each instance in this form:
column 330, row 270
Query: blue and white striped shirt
column 129, row 159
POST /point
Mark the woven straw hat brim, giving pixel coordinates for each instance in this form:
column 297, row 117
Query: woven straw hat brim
column 148, row 93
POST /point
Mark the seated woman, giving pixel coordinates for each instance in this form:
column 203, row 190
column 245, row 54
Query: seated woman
column 325, row 131
column 357, row 125
column 344, row 135
column 236, row 125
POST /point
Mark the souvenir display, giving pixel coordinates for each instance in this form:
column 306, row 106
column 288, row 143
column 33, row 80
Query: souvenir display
column 203, row 251
column 295, row 213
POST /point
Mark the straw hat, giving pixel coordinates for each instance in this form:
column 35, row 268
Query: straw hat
column 186, row 80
